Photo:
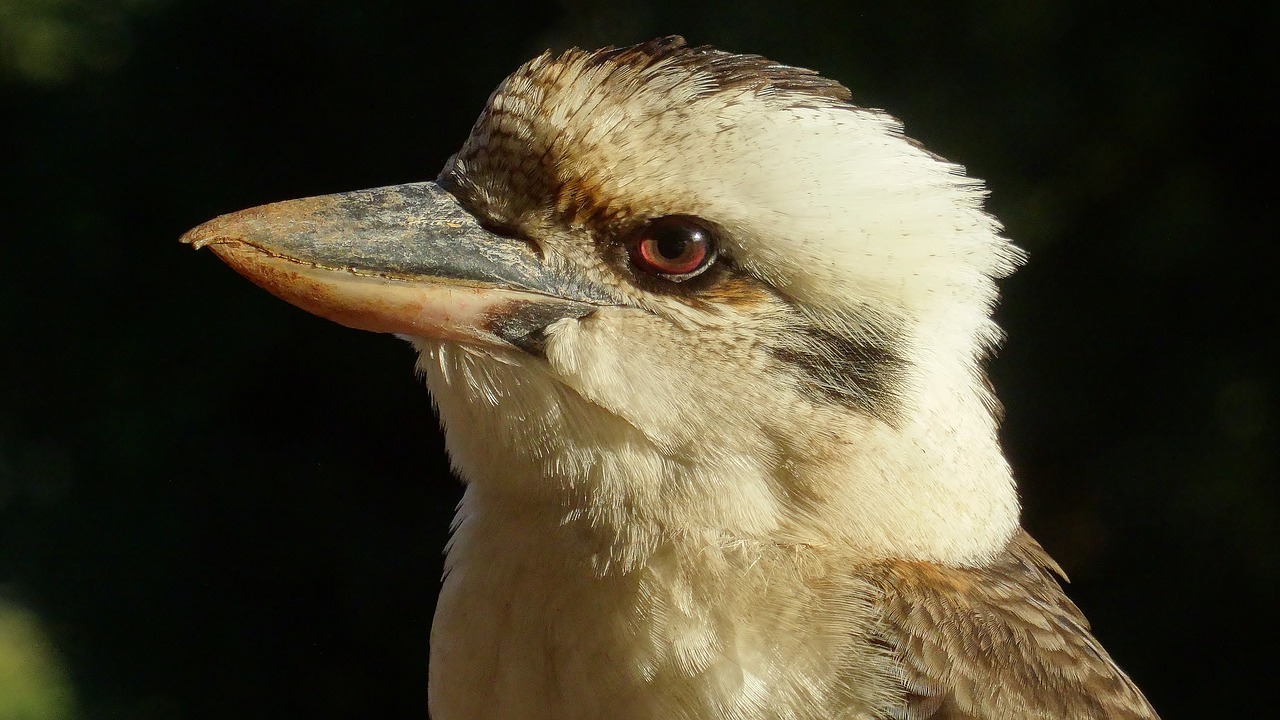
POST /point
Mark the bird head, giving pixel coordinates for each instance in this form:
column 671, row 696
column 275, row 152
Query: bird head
column 670, row 291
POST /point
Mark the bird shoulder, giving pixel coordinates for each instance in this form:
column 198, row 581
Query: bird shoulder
column 999, row 641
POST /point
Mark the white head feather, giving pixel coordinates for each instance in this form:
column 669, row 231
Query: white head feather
column 679, row 415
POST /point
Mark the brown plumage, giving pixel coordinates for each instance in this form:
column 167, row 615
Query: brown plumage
column 999, row 641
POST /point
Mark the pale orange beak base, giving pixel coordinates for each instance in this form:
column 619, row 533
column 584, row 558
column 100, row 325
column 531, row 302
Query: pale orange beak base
column 407, row 259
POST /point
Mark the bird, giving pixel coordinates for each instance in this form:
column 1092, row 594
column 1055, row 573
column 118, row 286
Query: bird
column 707, row 341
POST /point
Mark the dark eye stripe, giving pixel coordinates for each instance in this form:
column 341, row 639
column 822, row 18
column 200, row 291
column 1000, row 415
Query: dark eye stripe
column 860, row 373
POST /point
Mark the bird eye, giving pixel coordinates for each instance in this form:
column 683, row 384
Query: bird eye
column 673, row 247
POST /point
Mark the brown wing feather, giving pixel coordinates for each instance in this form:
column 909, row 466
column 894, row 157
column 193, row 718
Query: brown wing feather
column 1001, row 642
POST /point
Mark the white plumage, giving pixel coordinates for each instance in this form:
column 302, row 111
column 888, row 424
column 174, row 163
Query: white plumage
column 772, row 489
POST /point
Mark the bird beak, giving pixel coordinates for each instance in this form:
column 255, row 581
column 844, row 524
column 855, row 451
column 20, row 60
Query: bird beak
column 407, row 259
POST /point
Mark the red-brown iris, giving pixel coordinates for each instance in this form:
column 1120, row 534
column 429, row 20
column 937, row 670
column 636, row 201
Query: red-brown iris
column 675, row 247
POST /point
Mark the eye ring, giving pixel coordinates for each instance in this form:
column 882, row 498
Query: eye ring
column 674, row 247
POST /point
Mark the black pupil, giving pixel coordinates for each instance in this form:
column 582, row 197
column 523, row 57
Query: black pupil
column 673, row 242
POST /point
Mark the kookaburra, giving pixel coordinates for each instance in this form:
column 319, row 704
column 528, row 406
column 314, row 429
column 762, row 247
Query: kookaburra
column 707, row 343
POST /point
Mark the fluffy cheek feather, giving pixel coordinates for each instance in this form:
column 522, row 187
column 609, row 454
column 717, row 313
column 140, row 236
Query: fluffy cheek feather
column 757, row 458
column 635, row 428
column 692, row 391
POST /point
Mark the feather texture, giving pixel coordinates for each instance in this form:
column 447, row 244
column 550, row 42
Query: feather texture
column 774, row 492
column 999, row 642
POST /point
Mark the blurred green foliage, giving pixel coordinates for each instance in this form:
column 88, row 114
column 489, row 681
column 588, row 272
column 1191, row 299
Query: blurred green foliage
column 50, row 42
column 33, row 683
column 222, row 507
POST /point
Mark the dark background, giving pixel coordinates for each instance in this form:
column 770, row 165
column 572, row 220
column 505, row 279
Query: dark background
column 213, row 505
